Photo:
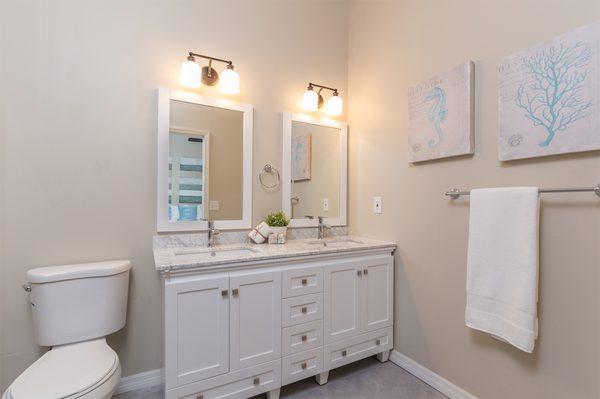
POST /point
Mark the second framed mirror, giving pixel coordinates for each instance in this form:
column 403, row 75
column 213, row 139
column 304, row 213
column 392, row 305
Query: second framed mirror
column 314, row 172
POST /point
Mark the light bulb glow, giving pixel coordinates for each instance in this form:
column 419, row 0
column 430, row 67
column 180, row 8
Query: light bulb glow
column 230, row 81
column 190, row 74
column 334, row 105
column 310, row 100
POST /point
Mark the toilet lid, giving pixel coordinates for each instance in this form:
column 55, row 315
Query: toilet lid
column 66, row 370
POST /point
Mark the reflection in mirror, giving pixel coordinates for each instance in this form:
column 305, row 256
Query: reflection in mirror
column 205, row 163
column 315, row 171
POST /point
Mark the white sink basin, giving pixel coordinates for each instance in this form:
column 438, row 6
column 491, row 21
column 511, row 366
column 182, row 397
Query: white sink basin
column 208, row 253
column 335, row 242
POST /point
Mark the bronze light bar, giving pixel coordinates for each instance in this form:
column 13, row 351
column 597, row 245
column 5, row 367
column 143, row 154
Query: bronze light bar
column 210, row 77
column 311, row 86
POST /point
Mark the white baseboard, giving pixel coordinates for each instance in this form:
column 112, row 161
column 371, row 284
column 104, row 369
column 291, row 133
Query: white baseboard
column 143, row 380
column 429, row 377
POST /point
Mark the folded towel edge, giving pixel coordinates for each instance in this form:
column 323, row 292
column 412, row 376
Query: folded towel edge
column 472, row 317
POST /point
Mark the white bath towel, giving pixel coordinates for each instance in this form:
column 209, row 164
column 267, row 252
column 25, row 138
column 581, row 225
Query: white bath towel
column 502, row 269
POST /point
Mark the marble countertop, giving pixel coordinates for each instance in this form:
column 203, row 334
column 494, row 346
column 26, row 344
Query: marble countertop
column 198, row 257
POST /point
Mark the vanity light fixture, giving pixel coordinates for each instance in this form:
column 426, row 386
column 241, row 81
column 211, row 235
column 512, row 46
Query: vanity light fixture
column 192, row 75
column 313, row 100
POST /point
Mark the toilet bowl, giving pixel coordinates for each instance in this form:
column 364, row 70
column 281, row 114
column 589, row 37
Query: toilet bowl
column 89, row 370
column 74, row 307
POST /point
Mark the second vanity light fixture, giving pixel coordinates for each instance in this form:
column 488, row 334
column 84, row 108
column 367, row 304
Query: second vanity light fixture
column 313, row 100
column 191, row 74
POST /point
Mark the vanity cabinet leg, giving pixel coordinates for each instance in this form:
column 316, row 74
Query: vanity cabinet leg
column 384, row 356
column 274, row 394
column 322, row 378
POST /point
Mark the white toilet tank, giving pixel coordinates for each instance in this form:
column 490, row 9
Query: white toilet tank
column 74, row 303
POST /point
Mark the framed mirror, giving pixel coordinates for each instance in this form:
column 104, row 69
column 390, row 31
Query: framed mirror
column 204, row 162
column 314, row 172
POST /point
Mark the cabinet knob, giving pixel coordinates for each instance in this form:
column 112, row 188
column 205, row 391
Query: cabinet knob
column 359, row 273
column 344, row 353
column 304, row 309
column 256, row 381
column 304, row 338
column 378, row 342
column 235, row 292
column 304, row 281
column 304, row 366
column 224, row 293
column 366, row 272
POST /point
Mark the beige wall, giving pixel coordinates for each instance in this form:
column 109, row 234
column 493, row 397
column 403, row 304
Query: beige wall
column 78, row 132
column 395, row 44
column 325, row 173
column 225, row 169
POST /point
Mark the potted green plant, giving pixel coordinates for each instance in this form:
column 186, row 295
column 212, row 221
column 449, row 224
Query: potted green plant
column 277, row 222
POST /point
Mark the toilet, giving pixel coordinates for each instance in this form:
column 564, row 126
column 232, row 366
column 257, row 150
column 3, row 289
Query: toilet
column 74, row 307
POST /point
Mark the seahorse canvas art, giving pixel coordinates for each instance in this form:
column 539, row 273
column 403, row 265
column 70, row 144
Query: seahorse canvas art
column 549, row 97
column 440, row 113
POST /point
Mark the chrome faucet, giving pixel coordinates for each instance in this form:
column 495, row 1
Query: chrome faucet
column 322, row 228
column 212, row 232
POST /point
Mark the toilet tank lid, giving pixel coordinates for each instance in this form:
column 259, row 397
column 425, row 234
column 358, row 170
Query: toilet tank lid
column 80, row 270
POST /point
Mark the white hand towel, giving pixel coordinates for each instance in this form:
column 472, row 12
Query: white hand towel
column 502, row 269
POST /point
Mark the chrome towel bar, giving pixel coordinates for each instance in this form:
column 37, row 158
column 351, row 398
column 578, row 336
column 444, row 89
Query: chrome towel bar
column 456, row 193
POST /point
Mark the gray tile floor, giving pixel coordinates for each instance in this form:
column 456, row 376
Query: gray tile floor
column 365, row 379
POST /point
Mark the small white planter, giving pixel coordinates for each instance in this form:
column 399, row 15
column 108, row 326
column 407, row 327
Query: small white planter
column 278, row 230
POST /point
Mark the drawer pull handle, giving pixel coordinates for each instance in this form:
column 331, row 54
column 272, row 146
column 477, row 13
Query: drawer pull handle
column 304, row 338
column 359, row 273
column 365, row 272
column 199, row 396
column 235, row 292
column 304, row 281
column 224, row 293
column 256, row 381
column 304, row 366
column 378, row 342
column 344, row 353
column 304, row 309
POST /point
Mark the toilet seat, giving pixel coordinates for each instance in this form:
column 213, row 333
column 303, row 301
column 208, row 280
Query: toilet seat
column 67, row 371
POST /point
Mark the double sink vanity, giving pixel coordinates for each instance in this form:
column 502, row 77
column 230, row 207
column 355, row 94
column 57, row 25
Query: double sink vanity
column 243, row 319
column 246, row 319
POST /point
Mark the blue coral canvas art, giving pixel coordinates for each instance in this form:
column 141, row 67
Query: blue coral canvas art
column 549, row 97
column 440, row 114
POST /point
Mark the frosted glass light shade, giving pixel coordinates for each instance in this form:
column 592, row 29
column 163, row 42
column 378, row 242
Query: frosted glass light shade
column 334, row 105
column 310, row 100
column 230, row 81
column 190, row 74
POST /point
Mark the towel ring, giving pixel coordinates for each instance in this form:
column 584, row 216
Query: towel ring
column 269, row 169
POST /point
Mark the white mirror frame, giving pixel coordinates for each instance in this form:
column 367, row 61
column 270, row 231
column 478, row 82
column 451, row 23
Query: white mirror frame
column 165, row 96
column 288, row 118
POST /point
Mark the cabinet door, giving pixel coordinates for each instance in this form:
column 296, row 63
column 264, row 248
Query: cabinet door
column 342, row 301
column 377, row 294
column 255, row 318
column 196, row 329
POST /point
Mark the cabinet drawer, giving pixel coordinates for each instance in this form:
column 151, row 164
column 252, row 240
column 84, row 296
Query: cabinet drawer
column 356, row 348
column 302, row 337
column 239, row 384
column 302, row 281
column 301, row 365
column 301, row 309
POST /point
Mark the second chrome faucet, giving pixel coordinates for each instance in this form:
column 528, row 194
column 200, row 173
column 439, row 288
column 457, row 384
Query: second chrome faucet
column 322, row 228
column 212, row 232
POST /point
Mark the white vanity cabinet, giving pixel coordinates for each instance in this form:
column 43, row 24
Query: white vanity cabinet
column 358, row 297
column 235, row 332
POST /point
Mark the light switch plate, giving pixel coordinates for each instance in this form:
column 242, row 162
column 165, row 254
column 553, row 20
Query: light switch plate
column 213, row 205
column 325, row 204
column 377, row 205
